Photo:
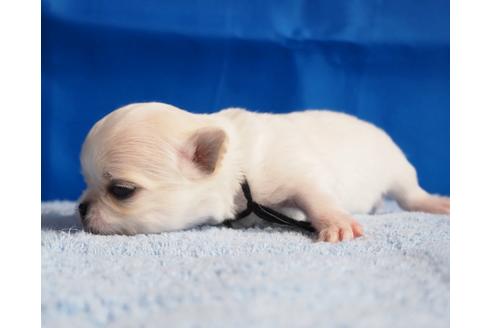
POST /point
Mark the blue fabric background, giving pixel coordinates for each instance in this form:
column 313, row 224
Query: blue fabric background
column 384, row 61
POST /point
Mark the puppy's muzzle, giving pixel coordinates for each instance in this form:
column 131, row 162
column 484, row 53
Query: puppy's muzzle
column 83, row 210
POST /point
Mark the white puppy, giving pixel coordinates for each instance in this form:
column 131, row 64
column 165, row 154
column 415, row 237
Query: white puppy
column 152, row 167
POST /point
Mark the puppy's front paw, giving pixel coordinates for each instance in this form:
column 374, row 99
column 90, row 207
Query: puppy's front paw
column 340, row 230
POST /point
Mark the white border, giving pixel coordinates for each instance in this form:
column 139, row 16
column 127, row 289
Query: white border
column 20, row 160
column 471, row 164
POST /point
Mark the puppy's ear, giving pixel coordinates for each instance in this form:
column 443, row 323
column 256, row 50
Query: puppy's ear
column 205, row 149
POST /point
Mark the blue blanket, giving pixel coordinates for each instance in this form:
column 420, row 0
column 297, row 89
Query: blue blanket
column 395, row 276
column 386, row 62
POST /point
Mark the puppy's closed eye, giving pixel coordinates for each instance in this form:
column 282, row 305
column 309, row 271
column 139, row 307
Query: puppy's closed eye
column 121, row 191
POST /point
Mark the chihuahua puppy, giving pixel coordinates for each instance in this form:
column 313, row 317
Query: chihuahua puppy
column 151, row 167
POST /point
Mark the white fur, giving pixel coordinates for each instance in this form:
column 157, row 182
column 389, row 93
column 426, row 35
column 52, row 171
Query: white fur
column 327, row 164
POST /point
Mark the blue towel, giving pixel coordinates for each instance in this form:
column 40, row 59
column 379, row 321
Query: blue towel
column 397, row 275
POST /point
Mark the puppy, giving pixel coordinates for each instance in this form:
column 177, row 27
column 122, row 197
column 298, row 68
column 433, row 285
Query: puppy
column 151, row 167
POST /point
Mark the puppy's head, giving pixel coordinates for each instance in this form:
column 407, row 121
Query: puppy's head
column 147, row 168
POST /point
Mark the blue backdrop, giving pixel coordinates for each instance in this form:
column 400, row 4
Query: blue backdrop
column 384, row 61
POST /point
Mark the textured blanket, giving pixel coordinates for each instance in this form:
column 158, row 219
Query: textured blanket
column 397, row 275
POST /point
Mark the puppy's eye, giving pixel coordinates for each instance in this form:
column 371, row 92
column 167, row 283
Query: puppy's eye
column 121, row 192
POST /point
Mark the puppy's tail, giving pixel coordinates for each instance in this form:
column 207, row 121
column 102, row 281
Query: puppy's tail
column 425, row 203
column 411, row 197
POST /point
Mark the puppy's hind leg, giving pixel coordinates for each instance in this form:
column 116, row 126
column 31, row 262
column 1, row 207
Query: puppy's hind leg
column 411, row 197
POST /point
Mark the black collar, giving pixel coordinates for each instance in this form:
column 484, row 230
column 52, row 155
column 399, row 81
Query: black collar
column 266, row 213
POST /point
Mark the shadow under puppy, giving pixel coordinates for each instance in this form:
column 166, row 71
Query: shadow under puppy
column 151, row 167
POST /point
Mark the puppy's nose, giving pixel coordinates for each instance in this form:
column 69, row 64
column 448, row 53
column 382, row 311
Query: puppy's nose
column 83, row 209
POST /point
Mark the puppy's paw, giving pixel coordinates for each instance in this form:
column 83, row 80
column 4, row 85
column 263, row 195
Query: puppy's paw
column 340, row 230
